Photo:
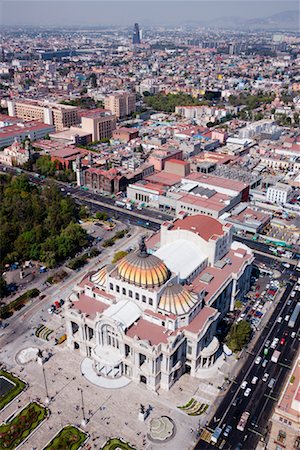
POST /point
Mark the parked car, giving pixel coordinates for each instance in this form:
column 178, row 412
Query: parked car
column 258, row 360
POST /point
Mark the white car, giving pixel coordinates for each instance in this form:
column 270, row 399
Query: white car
column 265, row 377
column 247, row 392
column 258, row 360
column 287, row 318
column 244, row 384
column 279, row 320
column 254, row 380
column 293, row 335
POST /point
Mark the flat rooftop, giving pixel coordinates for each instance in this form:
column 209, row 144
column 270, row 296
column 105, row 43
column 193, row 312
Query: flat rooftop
column 164, row 178
column 217, row 202
column 289, row 401
column 20, row 128
column 213, row 180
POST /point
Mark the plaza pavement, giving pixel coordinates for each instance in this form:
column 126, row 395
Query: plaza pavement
column 110, row 412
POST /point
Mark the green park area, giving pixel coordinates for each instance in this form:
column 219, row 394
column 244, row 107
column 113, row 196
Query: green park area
column 21, row 426
column 69, row 438
column 114, row 444
column 10, row 387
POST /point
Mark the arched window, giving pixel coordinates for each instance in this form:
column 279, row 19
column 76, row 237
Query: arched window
column 109, row 336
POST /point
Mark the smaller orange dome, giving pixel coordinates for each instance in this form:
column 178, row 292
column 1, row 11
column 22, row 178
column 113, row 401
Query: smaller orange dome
column 177, row 300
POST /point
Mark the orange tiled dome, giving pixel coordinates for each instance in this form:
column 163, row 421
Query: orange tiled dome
column 177, row 300
column 99, row 277
column 142, row 269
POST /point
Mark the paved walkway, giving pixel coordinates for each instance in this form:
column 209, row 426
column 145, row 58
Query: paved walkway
column 108, row 383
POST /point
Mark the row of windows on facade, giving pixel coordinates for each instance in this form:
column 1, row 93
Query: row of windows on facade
column 189, row 208
column 142, row 198
column 130, row 294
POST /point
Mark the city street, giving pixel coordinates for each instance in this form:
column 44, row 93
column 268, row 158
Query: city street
column 261, row 399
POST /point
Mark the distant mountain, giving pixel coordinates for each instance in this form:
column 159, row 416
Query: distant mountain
column 286, row 20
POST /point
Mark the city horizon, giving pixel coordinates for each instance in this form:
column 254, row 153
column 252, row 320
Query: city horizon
column 196, row 13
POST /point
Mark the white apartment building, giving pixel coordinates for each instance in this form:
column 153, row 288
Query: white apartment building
column 280, row 193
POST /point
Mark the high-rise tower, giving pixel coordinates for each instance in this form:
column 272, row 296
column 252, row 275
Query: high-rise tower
column 136, row 37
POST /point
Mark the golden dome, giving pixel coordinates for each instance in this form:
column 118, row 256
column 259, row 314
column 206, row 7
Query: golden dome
column 177, row 300
column 142, row 269
column 99, row 277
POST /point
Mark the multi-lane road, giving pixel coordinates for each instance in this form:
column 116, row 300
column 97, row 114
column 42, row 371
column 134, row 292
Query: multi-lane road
column 262, row 398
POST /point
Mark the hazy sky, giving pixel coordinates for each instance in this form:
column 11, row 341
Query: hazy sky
column 123, row 12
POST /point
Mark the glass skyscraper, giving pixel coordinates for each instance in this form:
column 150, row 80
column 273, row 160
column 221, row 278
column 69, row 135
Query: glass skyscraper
column 136, row 37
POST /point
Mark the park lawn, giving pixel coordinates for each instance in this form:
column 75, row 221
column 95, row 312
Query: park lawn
column 115, row 443
column 18, row 429
column 69, row 438
column 19, row 385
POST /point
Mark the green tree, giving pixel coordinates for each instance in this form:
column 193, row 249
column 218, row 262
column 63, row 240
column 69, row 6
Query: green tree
column 101, row 215
column 238, row 304
column 3, row 287
column 37, row 223
column 239, row 335
column 118, row 255
column 167, row 103
column 83, row 212
column 45, row 166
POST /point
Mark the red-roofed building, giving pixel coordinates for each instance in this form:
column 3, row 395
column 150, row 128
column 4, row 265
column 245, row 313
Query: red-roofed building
column 113, row 180
column 222, row 185
column 285, row 421
column 19, row 131
column 159, row 157
column 125, row 134
column 177, row 167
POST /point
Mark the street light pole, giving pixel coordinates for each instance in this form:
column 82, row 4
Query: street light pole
column 47, row 400
column 83, row 422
